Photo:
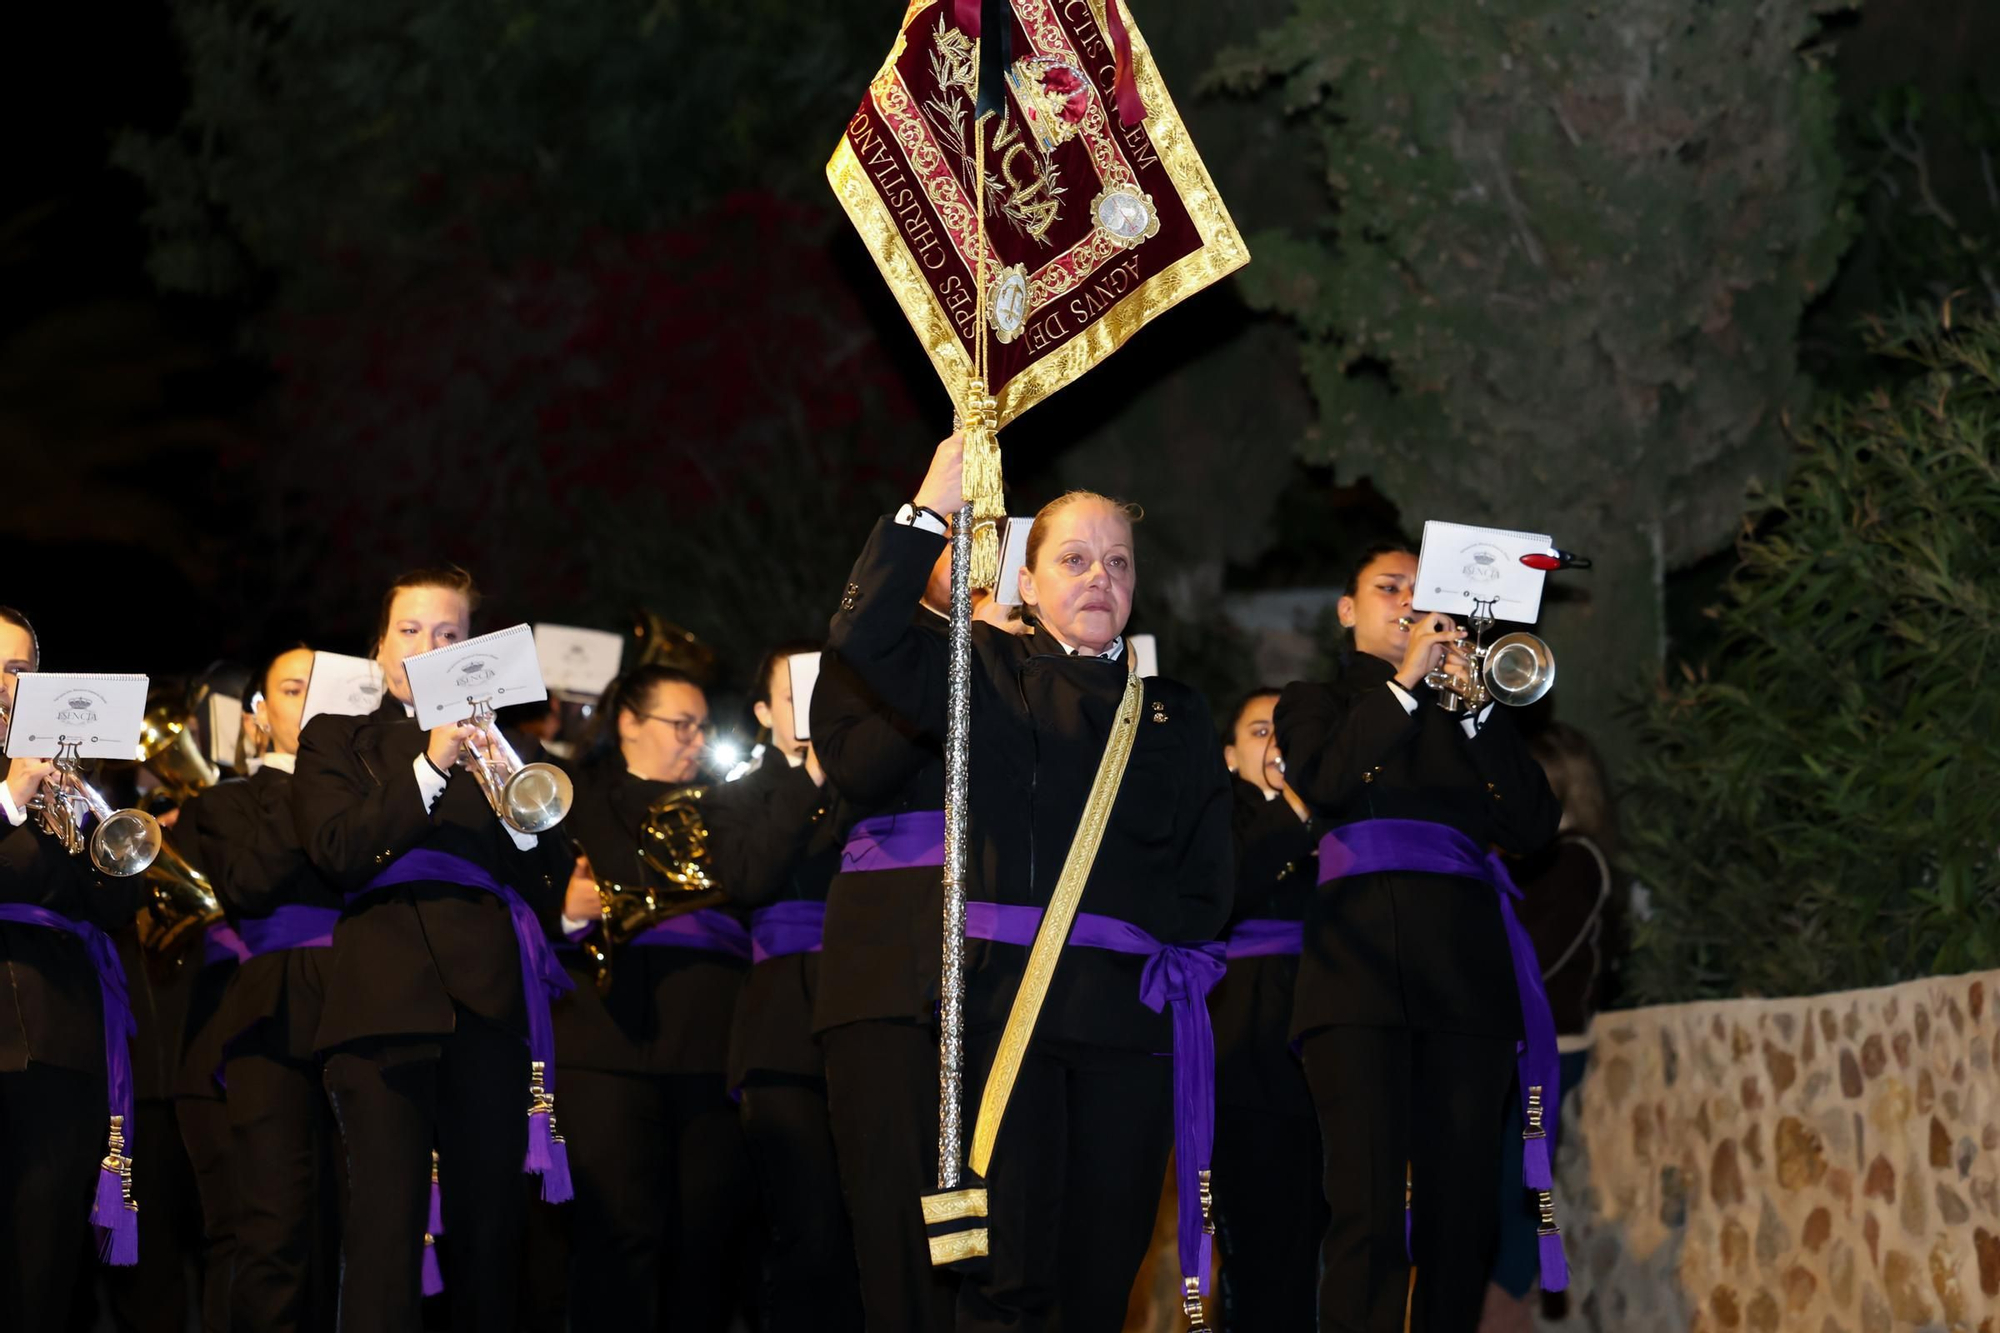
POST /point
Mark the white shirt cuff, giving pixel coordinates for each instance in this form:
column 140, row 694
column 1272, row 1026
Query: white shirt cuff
column 1403, row 697
column 910, row 518
column 16, row 816
column 574, row 929
column 527, row 842
column 1471, row 725
column 430, row 786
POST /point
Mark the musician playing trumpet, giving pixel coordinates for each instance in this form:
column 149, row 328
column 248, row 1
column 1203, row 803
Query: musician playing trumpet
column 64, row 1032
column 435, row 1027
column 662, row 1179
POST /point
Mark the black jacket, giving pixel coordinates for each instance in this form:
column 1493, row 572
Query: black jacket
column 774, row 837
column 1040, row 720
column 1415, row 950
column 248, row 844
column 882, row 926
column 669, row 1008
column 404, row 956
column 1277, row 868
column 51, row 1010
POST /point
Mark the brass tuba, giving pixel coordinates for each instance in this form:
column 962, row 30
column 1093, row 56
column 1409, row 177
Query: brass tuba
column 673, row 844
column 168, row 747
column 180, row 900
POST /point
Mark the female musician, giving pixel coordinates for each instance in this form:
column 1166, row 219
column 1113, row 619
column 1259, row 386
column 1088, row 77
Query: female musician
column 1270, row 1214
column 435, row 1019
column 64, row 1029
column 1075, row 1165
column 662, row 1180
column 1407, row 1004
column 774, row 835
column 280, row 1134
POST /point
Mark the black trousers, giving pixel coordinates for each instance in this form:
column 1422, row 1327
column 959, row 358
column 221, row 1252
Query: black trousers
column 1270, row 1217
column 1072, row 1189
column 204, row 1125
column 810, row 1283
column 282, row 1155
column 1391, row 1099
column 53, row 1128
column 882, row 1095
column 467, row 1094
column 153, row 1296
column 663, row 1200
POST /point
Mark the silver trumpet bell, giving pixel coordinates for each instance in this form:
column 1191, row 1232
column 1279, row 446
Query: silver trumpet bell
column 123, row 844
column 1515, row 669
column 528, row 798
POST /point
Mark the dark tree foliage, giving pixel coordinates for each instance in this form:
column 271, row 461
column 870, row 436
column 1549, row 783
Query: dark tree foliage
column 1816, row 809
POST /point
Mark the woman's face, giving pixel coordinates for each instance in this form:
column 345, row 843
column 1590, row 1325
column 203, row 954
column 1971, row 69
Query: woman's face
column 17, row 654
column 776, row 716
column 1252, row 752
column 1381, row 598
column 420, row 619
column 283, row 700
column 664, row 743
column 1082, row 580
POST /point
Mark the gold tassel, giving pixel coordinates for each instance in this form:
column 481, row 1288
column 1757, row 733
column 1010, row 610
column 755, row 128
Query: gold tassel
column 983, row 484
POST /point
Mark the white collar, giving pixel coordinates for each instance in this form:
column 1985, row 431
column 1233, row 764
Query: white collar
column 1112, row 654
column 284, row 763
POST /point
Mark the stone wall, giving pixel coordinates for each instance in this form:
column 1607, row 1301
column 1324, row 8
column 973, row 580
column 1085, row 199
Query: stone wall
column 1827, row 1164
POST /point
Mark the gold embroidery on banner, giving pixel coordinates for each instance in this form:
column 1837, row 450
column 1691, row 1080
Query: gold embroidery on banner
column 953, row 1207
column 1054, row 928
column 1161, row 137
column 958, row 1245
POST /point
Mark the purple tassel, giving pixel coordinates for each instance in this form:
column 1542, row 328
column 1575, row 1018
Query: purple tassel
column 538, row 1144
column 1535, row 1173
column 436, row 1225
column 1555, row 1264
column 556, row 1186
column 433, row 1275
column 110, row 1198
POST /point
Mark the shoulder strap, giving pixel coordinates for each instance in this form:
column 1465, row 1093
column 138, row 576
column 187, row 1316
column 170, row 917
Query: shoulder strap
column 1054, row 930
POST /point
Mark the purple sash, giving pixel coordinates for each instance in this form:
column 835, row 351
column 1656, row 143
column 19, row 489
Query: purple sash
column 1263, row 937
column 542, row 978
column 708, row 929
column 908, row 841
column 115, row 1214
column 1377, row 845
column 786, row 928
column 221, row 944
column 1179, row 976
column 293, row 926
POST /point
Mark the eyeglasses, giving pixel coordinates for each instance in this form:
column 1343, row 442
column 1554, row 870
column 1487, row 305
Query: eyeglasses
column 685, row 728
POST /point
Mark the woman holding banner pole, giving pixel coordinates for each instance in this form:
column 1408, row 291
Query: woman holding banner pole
column 1100, row 805
column 435, row 1027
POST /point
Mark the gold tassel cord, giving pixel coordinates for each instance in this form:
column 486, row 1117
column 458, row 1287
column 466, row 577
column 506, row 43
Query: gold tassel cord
column 980, row 413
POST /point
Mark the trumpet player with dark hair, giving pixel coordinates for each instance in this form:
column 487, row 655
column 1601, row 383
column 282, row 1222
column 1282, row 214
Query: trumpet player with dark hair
column 435, row 1023
column 774, row 835
column 642, row 1041
column 65, row 1025
column 1410, row 996
column 278, row 1134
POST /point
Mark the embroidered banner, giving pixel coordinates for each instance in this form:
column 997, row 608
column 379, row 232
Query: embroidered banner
column 1094, row 225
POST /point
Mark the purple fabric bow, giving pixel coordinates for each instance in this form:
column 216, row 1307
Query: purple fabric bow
column 1374, row 846
column 708, row 929
column 1265, row 937
column 786, row 928
column 293, row 926
column 115, row 1214
column 1176, row 975
column 907, row 841
column 542, row 979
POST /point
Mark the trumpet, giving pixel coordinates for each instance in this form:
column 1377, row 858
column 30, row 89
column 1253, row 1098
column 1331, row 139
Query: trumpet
column 123, row 844
column 673, row 844
column 528, row 798
column 1516, row 669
